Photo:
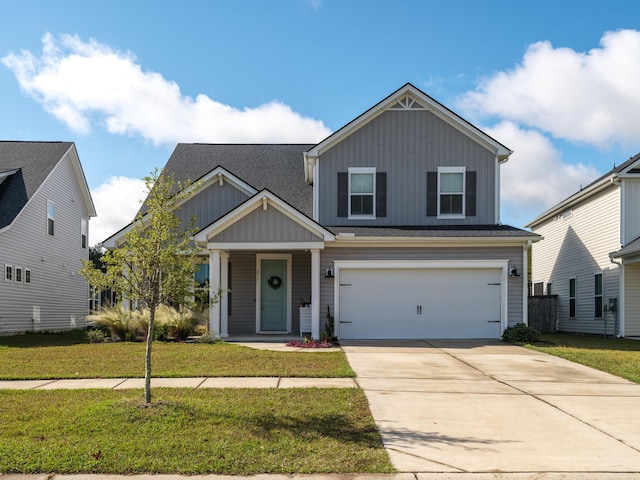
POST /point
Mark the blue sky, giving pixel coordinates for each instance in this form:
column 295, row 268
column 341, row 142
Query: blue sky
column 558, row 82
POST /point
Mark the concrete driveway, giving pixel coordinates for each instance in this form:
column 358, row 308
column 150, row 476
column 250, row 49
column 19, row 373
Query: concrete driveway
column 484, row 406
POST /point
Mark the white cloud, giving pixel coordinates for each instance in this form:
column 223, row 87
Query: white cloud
column 117, row 201
column 79, row 81
column 591, row 97
column 536, row 177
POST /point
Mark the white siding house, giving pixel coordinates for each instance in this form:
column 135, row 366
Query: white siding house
column 45, row 207
column 589, row 255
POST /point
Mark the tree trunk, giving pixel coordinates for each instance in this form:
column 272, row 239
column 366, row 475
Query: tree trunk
column 147, row 358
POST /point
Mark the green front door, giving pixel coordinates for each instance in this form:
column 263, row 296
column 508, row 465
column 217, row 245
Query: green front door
column 274, row 285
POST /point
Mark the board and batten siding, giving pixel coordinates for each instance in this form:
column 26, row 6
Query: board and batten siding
column 513, row 254
column 577, row 244
column 57, row 297
column 243, row 289
column 269, row 225
column 210, row 204
column 406, row 145
column 632, row 300
column 630, row 202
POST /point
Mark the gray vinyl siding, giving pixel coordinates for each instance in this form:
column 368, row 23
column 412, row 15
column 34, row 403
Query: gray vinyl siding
column 210, row 204
column 56, row 288
column 406, row 145
column 243, row 288
column 513, row 254
column 632, row 300
column 269, row 225
column 631, row 200
column 578, row 246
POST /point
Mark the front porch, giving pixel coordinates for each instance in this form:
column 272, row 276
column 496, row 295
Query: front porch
column 258, row 294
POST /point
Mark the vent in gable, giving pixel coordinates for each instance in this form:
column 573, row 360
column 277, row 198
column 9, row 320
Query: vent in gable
column 407, row 102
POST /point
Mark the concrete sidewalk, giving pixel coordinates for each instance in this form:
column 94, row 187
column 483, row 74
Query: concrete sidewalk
column 468, row 406
column 199, row 382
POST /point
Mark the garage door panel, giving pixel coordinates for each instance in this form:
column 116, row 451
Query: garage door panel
column 420, row 303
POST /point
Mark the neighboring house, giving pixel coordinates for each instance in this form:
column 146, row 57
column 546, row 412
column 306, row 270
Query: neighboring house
column 391, row 224
column 590, row 253
column 45, row 207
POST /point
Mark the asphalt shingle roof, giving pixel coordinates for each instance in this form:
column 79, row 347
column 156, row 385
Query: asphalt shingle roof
column 33, row 161
column 278, row 167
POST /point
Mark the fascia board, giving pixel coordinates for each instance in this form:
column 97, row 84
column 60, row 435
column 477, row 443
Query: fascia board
column 432, row 242
column 255, row 202
column 501, row 152
column 82, row 180
column 572, row 201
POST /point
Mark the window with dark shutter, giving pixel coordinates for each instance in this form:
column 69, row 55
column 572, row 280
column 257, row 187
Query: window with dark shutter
column 432, row 194
column 470, row 194
column 381, row 194
column 343, row 194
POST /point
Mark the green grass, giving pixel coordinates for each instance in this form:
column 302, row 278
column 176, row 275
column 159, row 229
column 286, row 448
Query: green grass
column 619, row 357
column 231, row 431
column 50, row 356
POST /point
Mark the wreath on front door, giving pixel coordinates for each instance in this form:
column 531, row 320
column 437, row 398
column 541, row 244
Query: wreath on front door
column 274, row 282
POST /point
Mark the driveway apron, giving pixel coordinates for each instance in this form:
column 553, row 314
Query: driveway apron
column 486, row 406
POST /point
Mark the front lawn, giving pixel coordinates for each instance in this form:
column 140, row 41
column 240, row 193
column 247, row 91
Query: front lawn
column 230, row 431
column 48, row 356
column 619, row 357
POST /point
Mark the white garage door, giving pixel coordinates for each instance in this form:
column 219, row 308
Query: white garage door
column 419, row 303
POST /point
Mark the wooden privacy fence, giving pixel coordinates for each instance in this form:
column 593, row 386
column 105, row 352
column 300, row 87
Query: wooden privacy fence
column 543, row 313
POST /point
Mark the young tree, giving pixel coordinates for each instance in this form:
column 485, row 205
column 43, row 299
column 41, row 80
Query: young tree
column 157, row 262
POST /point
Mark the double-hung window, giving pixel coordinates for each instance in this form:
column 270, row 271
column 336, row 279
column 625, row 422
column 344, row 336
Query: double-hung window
column 8, row 273
column 362, row 192
column 51, row 214
column 572, row 298
column 451, row 183
column 19, row 274
column 84, row 232
column 598, row 295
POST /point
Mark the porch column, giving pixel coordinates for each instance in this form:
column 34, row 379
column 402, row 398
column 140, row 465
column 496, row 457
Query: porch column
column 214, row 286
column 224, row 285
column 315, row 293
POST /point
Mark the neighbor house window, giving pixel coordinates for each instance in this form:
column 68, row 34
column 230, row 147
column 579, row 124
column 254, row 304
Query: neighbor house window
column 18, row 274
column 362, row 192
column 51, row 213
column 451, row 192
column 27, row 275
column 572, row 298
column 84, row 232
column 598, row 295
column 8, row 273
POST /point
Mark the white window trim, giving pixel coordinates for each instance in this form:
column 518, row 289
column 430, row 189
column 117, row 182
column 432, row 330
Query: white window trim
column 53, row 218
column 27, row 277
column 13, row 273
column 369, row 170
column 84, row 232
column 595, row 295
column 575, row 297
column 462, row 170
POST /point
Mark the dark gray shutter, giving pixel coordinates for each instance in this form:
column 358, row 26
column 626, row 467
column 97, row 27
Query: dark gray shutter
column 343, row 194
column 381, row 194
column 470, row 193
column 432, row 194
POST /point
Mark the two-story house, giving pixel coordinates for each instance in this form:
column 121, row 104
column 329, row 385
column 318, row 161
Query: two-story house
column 45, row 207
column 590, row 255
column 391, row 224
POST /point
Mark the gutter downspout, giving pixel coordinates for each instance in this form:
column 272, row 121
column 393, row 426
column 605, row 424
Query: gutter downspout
column 616, row 325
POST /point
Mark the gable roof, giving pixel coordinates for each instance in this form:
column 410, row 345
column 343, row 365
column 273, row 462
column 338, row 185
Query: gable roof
column 26, row 165
column 412, row 98
column 605, row 181
column 278, row 167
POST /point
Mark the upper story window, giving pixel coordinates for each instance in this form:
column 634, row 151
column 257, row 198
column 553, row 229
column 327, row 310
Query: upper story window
column 451, row 181
column 451, row 193
column 84, row 232
column 51, row 214
column 362, row 192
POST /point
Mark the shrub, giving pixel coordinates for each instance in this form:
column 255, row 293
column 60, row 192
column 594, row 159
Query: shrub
column 96, row 336
column 520, row 333
column 118, row 322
